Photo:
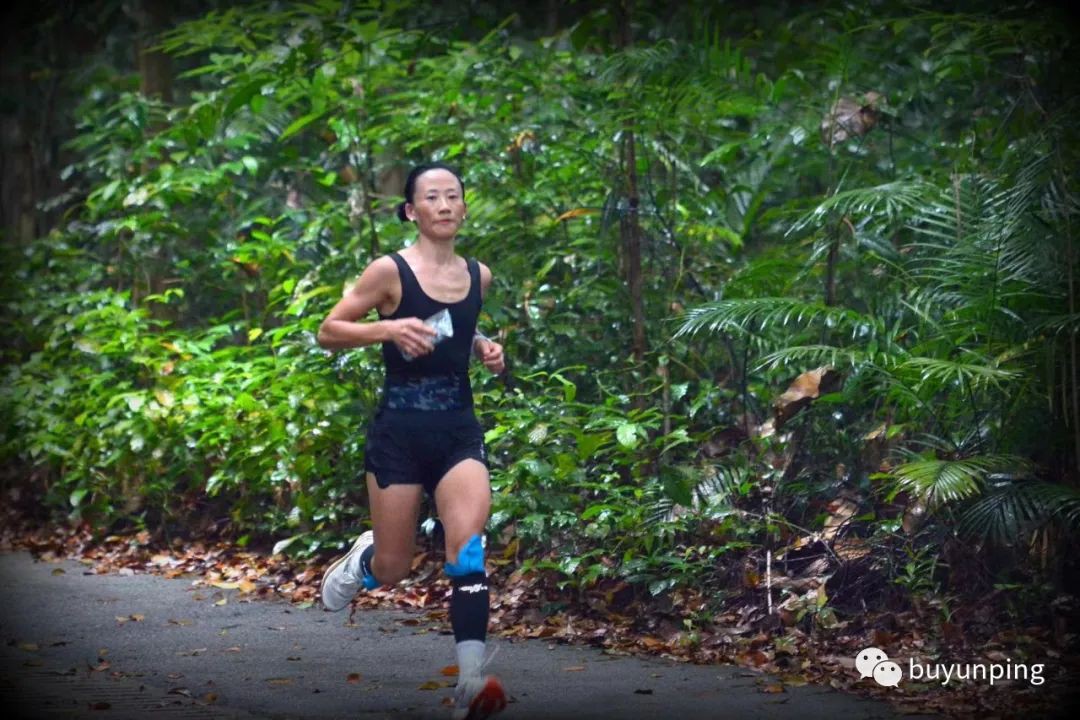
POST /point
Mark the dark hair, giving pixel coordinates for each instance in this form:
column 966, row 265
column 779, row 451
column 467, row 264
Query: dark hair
column 410, row 183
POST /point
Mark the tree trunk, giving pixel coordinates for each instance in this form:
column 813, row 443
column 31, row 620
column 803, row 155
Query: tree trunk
column 155, row 67
column 155, row 81
column 552, row 15
column 19, row 173
column 630, row 225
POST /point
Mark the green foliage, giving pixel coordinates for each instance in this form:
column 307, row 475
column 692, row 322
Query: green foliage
column 161, row 366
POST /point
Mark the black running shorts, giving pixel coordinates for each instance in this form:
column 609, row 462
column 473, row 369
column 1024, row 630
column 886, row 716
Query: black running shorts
column 418, row 447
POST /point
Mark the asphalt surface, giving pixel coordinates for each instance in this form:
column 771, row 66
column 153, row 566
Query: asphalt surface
column 81, row 645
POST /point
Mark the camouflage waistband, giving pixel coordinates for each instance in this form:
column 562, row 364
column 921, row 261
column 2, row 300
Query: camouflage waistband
column 434, row 392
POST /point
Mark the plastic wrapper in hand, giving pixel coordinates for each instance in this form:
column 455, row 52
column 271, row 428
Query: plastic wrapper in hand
column 443, row 326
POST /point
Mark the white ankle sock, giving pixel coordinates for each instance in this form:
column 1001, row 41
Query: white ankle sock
column 470, row 654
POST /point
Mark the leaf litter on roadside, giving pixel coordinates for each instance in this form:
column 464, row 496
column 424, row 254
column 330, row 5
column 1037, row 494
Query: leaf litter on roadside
column 612, row 615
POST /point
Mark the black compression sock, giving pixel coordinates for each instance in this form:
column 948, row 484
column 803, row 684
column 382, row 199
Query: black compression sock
column 469, row 607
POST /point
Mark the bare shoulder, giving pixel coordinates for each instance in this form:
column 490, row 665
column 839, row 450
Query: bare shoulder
column 485, row 275
column 377, row 287
column 381, row 274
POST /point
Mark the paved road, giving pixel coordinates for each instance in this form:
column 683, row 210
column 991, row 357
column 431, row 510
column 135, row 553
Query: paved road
column 182, row 653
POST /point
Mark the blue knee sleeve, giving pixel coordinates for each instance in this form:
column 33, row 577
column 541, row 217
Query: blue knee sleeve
column 470, row 559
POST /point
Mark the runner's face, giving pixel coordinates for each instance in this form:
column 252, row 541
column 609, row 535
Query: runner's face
column 438, row 206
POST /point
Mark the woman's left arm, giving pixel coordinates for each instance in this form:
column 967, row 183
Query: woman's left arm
column 487, row 350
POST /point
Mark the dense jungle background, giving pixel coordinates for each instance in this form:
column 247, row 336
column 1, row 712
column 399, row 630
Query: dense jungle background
column 788, row 293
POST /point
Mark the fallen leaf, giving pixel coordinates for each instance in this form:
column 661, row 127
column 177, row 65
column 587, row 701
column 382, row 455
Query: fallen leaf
column 210, row 698
column 280, row 681
column 100, row 706
column 574, row 668
column 773, row 688
column 181, row 623
column 434, row 685
column 180, row 691
column 353, row 678
column 450, row 671
column 29, row 647
column 58, row 571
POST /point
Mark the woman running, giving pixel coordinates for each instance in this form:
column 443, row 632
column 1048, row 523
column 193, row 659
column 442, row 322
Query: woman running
column 425, row 437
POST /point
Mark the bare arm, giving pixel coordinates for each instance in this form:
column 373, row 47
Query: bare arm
column 487, row 350
column 343, row 329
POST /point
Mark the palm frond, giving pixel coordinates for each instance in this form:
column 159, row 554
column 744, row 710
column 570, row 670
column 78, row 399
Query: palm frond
column 1010, row 510
column 892, row 203
column 750, row 315
column 1059, row 324
column 814, row 356
column 712, row 493
column 721, row 486
column 941, row 482
column 942, row 373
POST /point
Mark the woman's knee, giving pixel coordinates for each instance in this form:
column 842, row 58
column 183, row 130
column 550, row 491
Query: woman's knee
column 389, row 568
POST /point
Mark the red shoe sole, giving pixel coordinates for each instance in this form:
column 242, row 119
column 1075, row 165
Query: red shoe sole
column 489, row 701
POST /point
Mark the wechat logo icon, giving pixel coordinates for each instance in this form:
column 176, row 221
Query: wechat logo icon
column 874, row 663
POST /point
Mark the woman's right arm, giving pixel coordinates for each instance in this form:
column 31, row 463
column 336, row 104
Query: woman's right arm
column 342, row 328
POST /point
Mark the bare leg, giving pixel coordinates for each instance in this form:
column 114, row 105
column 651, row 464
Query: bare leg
column 463, row 499
column 394, row 513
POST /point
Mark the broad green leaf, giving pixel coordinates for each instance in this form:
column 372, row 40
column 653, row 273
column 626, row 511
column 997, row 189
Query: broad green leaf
column 299, row 124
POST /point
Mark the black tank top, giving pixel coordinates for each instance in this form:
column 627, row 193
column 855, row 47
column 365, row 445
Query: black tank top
column 440, row 379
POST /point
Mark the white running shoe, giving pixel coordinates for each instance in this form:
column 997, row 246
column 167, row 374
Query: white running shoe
column 478, row 697
column 344, row 577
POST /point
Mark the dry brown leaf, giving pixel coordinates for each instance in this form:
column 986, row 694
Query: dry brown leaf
column 809, row 386
column 850, row 118
column 576, row 212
